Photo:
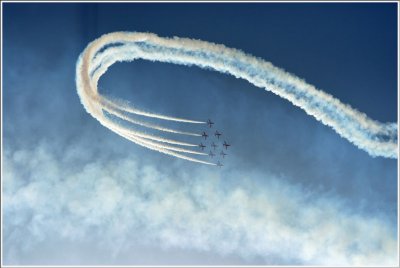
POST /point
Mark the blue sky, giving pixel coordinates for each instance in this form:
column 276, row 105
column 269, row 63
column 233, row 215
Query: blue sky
column 292, row 191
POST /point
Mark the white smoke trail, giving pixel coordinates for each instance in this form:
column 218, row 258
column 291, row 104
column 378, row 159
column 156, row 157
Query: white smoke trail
column 110, row 123
column 143, row 140
column 158, row 147
column 378, row 139
column 95, row 104
column 129, row 109
column 115, row 111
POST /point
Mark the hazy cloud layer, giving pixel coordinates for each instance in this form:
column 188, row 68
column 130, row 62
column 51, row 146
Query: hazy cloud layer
column 123, row 203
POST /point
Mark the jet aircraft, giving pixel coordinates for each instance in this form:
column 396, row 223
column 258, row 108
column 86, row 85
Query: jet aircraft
column 214, row 145
column 217, row 134
column 210, row 123
column 226, row 145
column 204, row 135
column 202, row 146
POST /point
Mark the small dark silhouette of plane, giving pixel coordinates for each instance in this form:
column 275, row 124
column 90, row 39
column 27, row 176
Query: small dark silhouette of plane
column 211, row 154
column 204, row 135
column 217, row 134
column 223, row 154
column 214, row 145
column 210, row 123
column 219, row 164
column 202, row 146
column 226, row 145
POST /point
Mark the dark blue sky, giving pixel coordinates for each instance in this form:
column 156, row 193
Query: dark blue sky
column 347, row 50
column 318, row 42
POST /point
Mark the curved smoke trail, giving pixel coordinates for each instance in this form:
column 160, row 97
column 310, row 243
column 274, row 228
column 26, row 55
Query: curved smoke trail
column 376, row 138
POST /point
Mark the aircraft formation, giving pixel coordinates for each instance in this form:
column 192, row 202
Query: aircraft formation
column 213, row 141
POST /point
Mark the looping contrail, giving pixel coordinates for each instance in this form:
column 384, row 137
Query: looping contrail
column 376, row 138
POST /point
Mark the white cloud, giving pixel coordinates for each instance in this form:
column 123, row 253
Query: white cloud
column 124, row 203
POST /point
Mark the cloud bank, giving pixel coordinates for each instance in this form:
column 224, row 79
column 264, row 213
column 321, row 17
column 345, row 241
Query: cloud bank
column 378, row 139
column 124, row 202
